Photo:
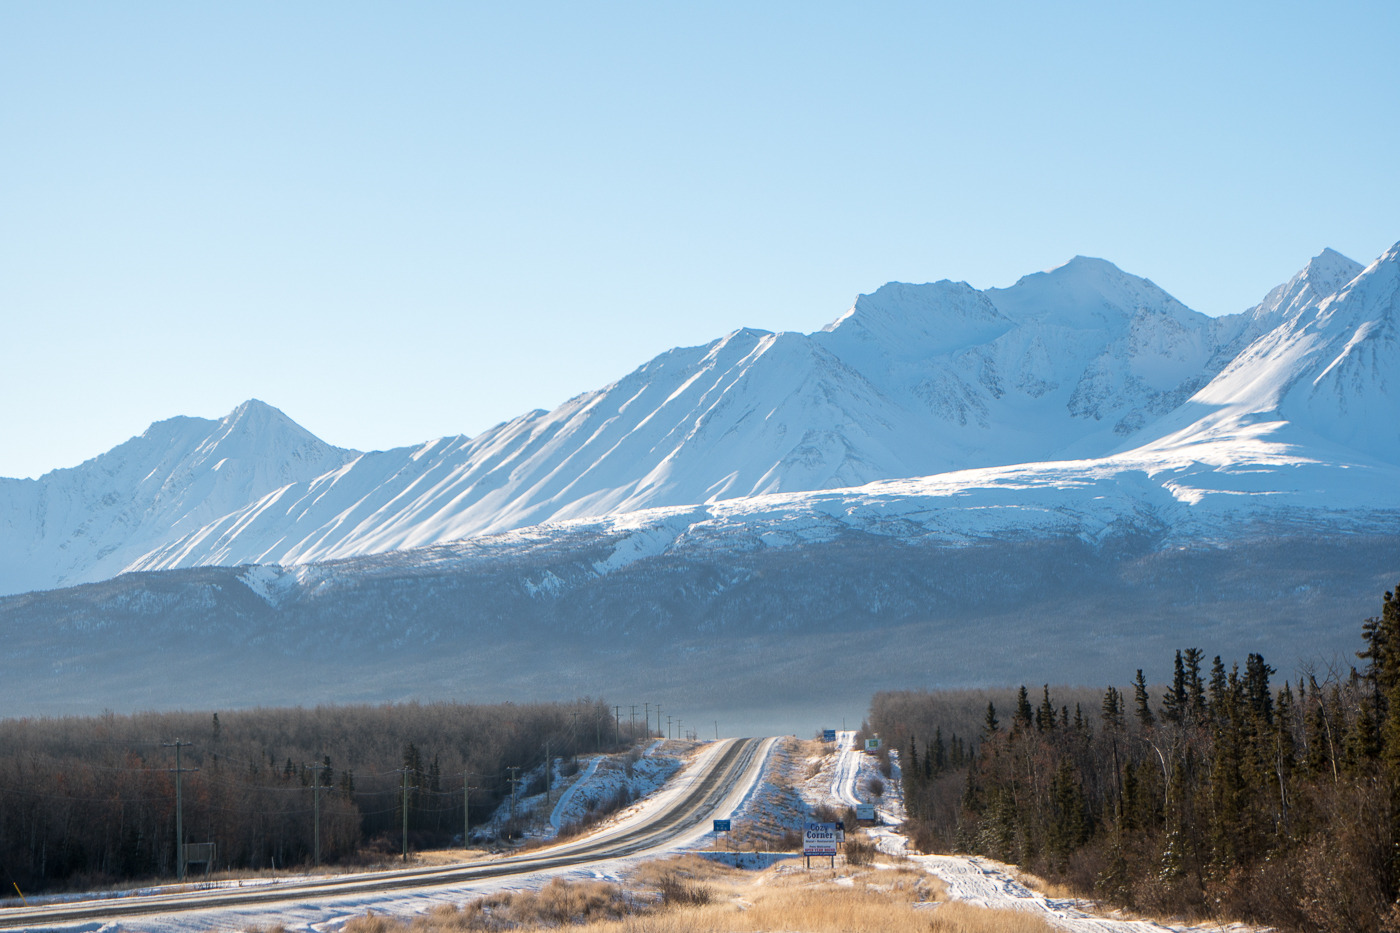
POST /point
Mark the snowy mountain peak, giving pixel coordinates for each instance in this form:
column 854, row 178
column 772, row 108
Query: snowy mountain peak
column 1085, row 294
column 917, row 321
column 1082, row 361
column 1325, row 274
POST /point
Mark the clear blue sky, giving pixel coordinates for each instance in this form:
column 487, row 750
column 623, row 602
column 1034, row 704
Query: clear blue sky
column 397, row 221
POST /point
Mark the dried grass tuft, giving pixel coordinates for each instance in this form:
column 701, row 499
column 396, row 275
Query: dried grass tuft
column 700, row 897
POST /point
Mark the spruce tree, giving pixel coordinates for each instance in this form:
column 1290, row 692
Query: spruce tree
column 1388, row 685
column 1045, row 713
column 1129, row 807
column 1195, row 687
column 1022, row 720
column 990, row 724
column 1144, row 708
column 1112, row 709
column 1174, row 701
column 1256, row 686
column 1217, row 689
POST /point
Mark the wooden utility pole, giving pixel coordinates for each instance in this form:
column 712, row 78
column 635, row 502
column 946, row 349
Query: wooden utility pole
column 466, row 808
column 647, row 710
column 668, row 727
column 634, row 724
column 514, row 786
column 658, row 719
column 316, row 805
column 179, row 807
column 617, row 725
column 406, row 816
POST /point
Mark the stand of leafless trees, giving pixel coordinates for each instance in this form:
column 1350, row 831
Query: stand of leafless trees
column 86, row 801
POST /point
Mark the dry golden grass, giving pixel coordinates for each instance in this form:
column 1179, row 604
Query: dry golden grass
column 434, row 857
column 717, row 899
column 1048, row 888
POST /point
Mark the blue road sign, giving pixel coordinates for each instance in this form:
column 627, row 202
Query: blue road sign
column 828, row 735
column 721, row 826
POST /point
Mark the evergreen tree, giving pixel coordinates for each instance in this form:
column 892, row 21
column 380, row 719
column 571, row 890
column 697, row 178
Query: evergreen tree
column 1144, row 709
column 990, row 724
column 1045, row 713
column 1386, row 644
column 1174, row 701
column 1195, row 687
column 1256, row 686
column 1022, row 720
column 1217, row 689
column 1130, row 805
column 1069, row 824
column 1112, row 709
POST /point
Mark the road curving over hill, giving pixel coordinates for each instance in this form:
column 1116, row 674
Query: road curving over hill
column 713, row 786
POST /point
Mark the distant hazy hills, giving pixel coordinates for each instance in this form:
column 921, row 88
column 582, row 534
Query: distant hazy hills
column 1077, row 401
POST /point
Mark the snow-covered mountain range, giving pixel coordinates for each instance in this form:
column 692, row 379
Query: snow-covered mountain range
column 1081, row 400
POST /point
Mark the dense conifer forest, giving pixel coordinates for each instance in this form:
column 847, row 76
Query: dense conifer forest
column 87, row 801
column 1225, row 795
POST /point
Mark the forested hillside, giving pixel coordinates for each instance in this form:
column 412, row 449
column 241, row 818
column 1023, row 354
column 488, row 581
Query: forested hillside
column 91, row 800
column 1225, row 795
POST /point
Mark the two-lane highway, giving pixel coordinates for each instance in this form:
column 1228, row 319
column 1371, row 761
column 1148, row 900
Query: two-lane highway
column 712, row 787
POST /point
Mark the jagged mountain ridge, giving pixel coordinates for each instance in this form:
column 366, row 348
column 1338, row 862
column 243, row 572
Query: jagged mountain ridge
column 1081, row 361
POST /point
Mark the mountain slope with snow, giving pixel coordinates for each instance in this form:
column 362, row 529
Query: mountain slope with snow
column 1029, row 398
column 89, row 522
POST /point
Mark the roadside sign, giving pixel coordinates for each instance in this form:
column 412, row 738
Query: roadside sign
column 721, row 826
column 865, row 811
column 872, row 745
column 828, row 735
column 819, row 839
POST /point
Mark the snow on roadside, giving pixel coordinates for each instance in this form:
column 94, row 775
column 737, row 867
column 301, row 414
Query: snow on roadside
column 640, row 773
column 562, row 808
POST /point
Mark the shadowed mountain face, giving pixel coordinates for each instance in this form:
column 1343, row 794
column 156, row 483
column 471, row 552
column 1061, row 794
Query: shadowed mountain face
column 760, row 639
column 1061, row 480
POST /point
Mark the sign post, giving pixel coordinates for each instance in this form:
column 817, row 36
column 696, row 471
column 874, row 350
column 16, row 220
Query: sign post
column 721, row 826
column 819, row 839
column 872, row 745
column 828, row 735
